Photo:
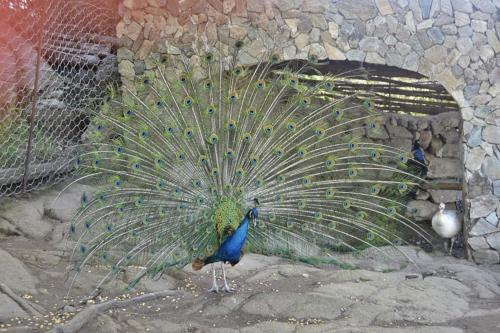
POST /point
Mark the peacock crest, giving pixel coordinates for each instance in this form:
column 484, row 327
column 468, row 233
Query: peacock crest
column 183, row 153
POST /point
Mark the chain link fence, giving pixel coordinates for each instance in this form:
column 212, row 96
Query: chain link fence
column 57, row 60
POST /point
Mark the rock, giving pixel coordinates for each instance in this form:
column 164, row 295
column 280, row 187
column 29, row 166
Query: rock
column 496, row 188
column 445, row 196
column 445, row 168
column 27, row 216
column 124, row 53
column 475, row 137
column 478, row 243
column 464, row 45
column 135, row 4
column 7, row 229
column 494, row 240
column 68, row 203
column 10, row 309
column 374, row 58
column 451, row 150
column 357, row 9
column 139, row 67
column 334, row 53
column 482, row 206
column 491, row 168
column 355, row 55
column 462, row 6
column 475, row 158
column 16, row 277
column 144, row 50
column 481, row 228
column 461, row 19
column 377, row 133
column 126, row 69
column 398, row 132
column 301, row 41
column 436, row 146
column 369, row 44
column 425, row 139
column 492, row 219
column 491, row 134
column 486, row 257
column 384, row 7
column 436, row 35
column 421, row 210
column 308, row 305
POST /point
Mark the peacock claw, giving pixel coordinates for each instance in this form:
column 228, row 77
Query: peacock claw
column 214, row 289
column 227, row 289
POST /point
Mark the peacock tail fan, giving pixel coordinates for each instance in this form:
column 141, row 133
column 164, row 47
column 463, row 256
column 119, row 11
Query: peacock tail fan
column 183, row 152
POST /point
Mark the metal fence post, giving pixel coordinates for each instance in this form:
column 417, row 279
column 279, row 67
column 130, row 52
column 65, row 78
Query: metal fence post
column 34, row 96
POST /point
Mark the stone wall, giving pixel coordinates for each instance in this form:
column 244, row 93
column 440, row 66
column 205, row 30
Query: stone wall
column 455, row 42
column 440, row 138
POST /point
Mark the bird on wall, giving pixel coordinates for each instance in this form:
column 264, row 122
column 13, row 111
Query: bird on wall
column 446, row 224
column 199, row 147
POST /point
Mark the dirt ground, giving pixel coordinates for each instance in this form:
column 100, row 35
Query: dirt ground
column 436, row 294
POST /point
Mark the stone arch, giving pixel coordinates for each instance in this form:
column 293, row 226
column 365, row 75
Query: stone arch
column 455, row 42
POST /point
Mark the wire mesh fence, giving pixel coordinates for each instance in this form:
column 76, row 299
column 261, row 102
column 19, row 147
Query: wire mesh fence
column 57, row 59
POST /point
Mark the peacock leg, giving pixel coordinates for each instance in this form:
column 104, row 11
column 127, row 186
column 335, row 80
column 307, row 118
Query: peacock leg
column 226, row 287
column 451, row 246
column 215, row 287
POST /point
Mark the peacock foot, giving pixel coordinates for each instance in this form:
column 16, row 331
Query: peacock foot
column 214, row 289
column 227, row 289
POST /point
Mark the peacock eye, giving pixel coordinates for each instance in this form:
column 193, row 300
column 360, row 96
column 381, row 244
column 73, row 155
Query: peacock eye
column 159, row 103
column 238, row 44
column 209, row 57
column 146, row 81
column 188, row 101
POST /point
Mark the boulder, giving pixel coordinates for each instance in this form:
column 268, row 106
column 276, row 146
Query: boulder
column 421, row 210
column 398, row 132
column 16, row 277
column 27, row 216
column 10, row 309
column 486, row 257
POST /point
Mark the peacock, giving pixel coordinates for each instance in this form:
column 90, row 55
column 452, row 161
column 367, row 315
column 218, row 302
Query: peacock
column 190, row 154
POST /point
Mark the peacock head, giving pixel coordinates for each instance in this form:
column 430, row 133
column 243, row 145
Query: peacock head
column 442, row 206
column 253, row 213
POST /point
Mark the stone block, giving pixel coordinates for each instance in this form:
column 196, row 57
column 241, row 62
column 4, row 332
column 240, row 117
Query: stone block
column 446, row 196
column 482, row 205
column 421, row 210
column 445, row 168
column 486, row 257
column 494, row 240
column 491, row 134
column 478, row 243
column 491, row 168
column 398, row 132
